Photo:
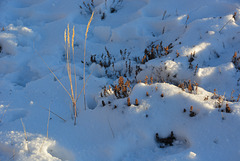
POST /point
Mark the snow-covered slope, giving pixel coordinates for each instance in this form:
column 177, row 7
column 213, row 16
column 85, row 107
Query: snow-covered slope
column 179, row 59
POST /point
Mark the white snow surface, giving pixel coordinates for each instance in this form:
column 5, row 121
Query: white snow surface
column 32, row 39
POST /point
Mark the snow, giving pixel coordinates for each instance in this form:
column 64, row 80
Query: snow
column 189, row 86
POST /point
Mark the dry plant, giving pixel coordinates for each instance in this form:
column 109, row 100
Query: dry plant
column 238, row 98
column 178, row 54
column 122, row 90
column 146, row 80
column 84, row 80
column 136, row 102
column 47, row 129
column 196, row 87
column 147, row 94
column 228, row 109
column 151, row 80
column 128, row 101
column 189, row 87
column 69, row 44
column 192, row 113
column 232, row 98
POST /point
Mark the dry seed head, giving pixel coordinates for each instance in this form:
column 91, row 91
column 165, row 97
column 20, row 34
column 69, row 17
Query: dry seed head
column 228, row 109
column 127, row 84
column 234, row 15
column 235, row 55
column 191, row 108
column 68, row 36
column 177, row 54
column 147, row 94
column 65, row 36
column 121, row 81
column 146, row 80
column 144, row 57
column 128, row 101
column 151, row 78
column 73, row 34
column 89, row 22
column 136, row 102
column 238, row 98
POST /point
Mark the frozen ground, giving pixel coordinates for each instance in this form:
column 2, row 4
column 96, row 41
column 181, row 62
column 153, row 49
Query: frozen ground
column 185, row 48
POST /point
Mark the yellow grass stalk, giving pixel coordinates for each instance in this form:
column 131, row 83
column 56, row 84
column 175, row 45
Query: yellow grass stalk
column 89, row 22
column 47, row 128
column 25, row 133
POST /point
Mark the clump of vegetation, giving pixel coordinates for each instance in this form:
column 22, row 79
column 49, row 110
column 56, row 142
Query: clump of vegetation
column 236, row 61
column 107, row 61
column 154, row 51
column 165, row 142
column 87, row 7
column 219, row 102
column 122, row 90
column 191, row 112
column 189, row 86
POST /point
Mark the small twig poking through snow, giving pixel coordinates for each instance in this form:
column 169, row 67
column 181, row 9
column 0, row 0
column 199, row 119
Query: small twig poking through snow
column 54, row 114
column 163, row 30
column 25, row 133
column 111, row 128
column 231, row 20
column 12, row 157
column 186, row 21
column 164, row 14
